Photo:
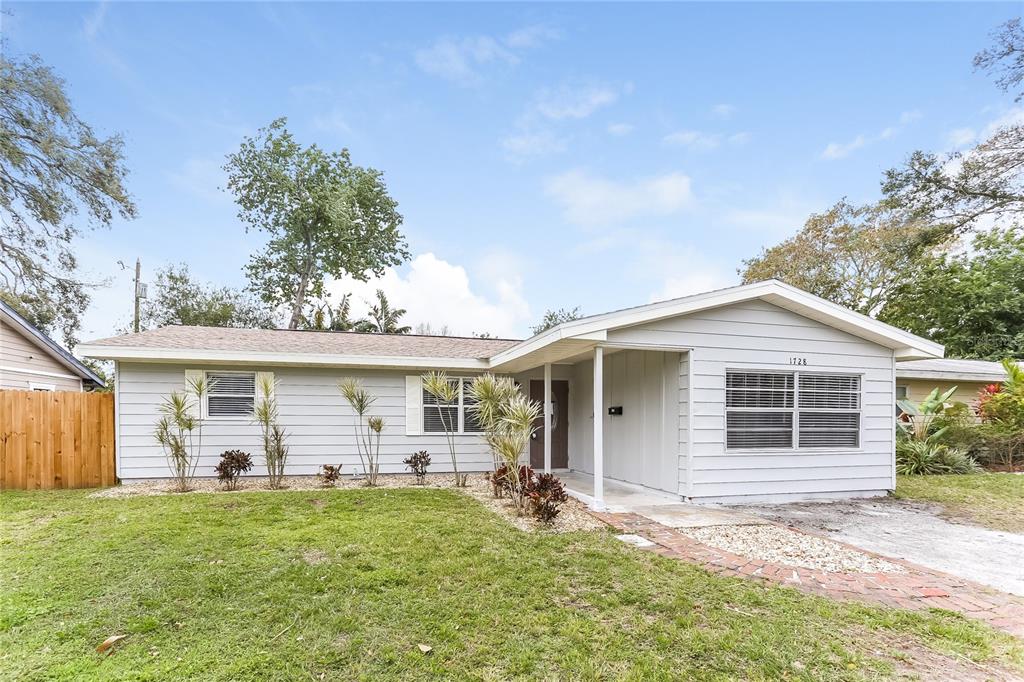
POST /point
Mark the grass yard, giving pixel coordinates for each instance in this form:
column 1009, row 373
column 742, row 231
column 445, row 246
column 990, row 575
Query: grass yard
column 992, row 500
column 346, row 584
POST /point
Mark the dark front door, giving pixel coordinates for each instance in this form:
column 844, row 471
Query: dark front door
column 559, row 425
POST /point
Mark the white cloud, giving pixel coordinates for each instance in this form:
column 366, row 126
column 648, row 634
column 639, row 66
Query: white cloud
column 333, row 122
column 836, row 150
column 723, row 111
column 589, row 200
column 840, row 150
column 960, row 137
column 439, row 293
column 532, row 36
column 459, row 59
column 531, row 144
column 202, row 177
column 693, row 139
column 619, row 129
column 679, row 269
column 93, row 23
column 574, row 102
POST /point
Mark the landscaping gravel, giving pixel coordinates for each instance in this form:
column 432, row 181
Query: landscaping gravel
column 790, row 548
column 573, row 515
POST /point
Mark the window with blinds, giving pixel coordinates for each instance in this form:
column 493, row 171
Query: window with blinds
column 784, row 410
column 231, row 394
column 459, row 415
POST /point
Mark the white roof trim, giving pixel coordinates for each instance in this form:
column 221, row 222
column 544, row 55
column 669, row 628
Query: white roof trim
column 129, row 353
column 48, row 345
column 905, row 344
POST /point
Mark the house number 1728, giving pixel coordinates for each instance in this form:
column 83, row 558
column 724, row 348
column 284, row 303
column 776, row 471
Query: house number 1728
column 798, row 361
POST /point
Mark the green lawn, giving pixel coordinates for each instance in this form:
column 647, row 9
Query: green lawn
column 992, row 500
column 345, row 585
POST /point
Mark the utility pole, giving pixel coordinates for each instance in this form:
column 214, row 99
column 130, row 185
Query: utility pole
column 138, row 293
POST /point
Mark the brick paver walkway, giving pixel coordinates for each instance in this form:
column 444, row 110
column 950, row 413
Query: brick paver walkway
column 919, row 588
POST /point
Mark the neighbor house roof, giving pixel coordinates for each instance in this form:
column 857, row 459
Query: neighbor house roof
column 951, row 369
column 177, row 344
column 47, row 345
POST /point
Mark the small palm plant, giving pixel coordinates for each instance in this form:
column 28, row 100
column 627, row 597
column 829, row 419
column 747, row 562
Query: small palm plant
column 518, row 416
column 376, row 427
column 180, row 431
column 360, row 400
column 446, row 395
column 275, row 449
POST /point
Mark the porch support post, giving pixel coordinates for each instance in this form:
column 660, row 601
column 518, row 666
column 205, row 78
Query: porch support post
column 547, row 418
column 598, row 502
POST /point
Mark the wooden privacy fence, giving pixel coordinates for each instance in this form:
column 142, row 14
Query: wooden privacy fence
column 56, row 440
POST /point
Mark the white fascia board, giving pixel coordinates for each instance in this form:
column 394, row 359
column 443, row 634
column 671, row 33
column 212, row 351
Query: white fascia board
column 128, row 353
column 948, row 376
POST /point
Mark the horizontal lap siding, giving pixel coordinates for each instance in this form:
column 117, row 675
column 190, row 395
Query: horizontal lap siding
column 758, row 335
column 320, row 425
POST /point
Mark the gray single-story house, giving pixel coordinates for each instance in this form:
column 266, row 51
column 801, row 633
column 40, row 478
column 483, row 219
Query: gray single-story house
column 751, row 393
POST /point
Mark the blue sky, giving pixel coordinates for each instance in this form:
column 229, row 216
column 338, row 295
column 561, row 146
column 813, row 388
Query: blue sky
column 543, row 155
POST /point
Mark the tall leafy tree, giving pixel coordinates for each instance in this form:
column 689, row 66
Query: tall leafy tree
column 325, row 217
column 971, row 301
column 178, row 298
column 383, row 318
column 855, row 256
column 963, row 190
column 58, row 178
column 553, row 318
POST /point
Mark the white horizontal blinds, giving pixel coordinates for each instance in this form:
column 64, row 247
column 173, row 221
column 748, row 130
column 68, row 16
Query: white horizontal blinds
column 470, row 424
column 829, row 410
column 437, row 415
column 759, row 409
column 231, row 394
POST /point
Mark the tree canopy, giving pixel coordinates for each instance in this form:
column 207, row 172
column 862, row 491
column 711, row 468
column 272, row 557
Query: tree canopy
column 383, row 318
column 57, row 178
column 553, row 318
column 324, row 215
column 178, row 298
column 972, row 301
column 855, row 256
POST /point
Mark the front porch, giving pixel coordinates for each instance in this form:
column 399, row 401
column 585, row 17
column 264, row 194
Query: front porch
column 618, row 496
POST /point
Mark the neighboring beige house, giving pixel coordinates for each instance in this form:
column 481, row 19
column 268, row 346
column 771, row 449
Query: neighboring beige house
column 915, row 379
column 32, row 361
column 756, row 392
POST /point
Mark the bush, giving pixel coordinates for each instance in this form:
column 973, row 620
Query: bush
column 928, row 458
column 418, row 462
column 329, row 475
column 545, row 496
column 233, row 463
column 503, row 482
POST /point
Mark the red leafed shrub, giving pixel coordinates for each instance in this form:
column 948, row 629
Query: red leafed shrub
column 233, row 463
column 545, row 495
column 329, row 475
column 418, row 462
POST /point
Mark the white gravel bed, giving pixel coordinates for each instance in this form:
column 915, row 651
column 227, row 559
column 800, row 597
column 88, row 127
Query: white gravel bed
column 573, row 515
column 790, row 548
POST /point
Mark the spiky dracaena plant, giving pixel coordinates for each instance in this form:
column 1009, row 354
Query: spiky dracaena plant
column 180, row 431
column 275, row 449
column 489, row 394
column 375, row 425
column 518, row 416
column 360, row 400
column 446, row 395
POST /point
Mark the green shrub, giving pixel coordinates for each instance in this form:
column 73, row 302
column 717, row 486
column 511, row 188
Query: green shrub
column 928, row 458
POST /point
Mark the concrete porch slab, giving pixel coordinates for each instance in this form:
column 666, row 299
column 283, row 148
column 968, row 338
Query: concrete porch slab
column 684, row 515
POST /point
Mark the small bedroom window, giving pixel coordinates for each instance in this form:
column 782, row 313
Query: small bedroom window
column 459, row 415
column 231, row 394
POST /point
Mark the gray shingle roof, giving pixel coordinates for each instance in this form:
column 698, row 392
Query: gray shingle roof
column 978, row 370
column 294, row 341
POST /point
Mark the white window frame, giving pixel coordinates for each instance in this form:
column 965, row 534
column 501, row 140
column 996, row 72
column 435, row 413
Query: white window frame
column 229, row 417
column 795, row 410
column 36, row 386
column 460, row 410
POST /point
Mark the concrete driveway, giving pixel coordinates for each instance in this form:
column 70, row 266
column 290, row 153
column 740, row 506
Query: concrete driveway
column 912, row 531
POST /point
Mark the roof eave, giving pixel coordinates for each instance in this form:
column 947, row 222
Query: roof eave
column 51, row 347
column 179, row 355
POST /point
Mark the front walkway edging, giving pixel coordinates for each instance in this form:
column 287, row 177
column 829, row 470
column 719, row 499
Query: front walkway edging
column 918, row 589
